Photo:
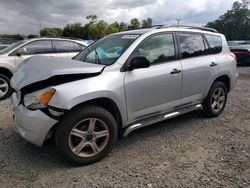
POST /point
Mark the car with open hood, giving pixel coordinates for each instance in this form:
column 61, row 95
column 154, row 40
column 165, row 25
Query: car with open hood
column 119, row 84
column 11, row 56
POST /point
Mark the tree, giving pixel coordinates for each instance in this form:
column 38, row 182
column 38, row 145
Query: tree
column 31, row 36
column 123, row 26
column 134, row 24
column 235, row 23
column 73, row 30
column 147, row 23
column 113, row 28
column 51, row 32
column 92, row 19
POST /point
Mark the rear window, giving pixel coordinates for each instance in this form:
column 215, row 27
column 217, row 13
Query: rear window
column 192, row 45
column 215, row 43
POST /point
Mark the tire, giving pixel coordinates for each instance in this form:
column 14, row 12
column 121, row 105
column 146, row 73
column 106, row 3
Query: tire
column 5, row 88
column 216, row 100
column 86, row 147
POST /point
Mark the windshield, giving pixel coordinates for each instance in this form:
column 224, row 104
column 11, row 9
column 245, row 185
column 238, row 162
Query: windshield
column 11, row 47
column 106, row 51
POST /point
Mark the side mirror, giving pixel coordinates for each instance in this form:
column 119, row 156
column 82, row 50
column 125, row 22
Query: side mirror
column 139, row 63
column 21, row 51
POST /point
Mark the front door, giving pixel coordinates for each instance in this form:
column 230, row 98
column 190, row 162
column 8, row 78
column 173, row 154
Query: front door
column 39, row 47
column 155, row 89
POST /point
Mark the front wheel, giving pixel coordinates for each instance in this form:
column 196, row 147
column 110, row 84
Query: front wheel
column 86, row 135
column 216, row 100
column 5, row 89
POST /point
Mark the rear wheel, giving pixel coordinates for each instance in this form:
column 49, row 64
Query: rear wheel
column 86, row 135
column 5, row 89
column 216, row 99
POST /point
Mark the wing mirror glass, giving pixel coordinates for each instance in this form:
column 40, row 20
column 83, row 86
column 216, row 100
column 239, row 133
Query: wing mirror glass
column 139, row 63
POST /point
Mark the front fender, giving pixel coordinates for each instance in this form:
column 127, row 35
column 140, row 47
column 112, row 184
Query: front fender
column 108, row 86
column 67, row 103
column 8, row 66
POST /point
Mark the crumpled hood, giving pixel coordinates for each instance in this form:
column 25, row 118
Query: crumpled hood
column 40, row 68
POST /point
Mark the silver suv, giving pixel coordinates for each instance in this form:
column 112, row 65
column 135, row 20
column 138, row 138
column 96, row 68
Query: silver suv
column 11, row 56
column 121, row 83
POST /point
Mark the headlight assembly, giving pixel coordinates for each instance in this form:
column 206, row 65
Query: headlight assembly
column 38, row 100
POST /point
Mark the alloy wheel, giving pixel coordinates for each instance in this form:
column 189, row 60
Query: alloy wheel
column 218, row 99
column 4, row 87
column 88, row 137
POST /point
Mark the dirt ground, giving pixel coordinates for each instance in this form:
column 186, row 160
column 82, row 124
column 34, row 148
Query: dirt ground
column 187, row 151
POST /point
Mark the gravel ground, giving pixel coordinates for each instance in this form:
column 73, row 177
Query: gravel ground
column 187, row 151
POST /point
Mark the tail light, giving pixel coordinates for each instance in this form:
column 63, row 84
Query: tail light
column 233, row 56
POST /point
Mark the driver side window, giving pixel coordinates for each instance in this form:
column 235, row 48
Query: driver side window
column 157, row 49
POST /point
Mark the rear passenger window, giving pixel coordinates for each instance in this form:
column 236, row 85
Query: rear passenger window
column 192, row 45
column 215, row 43
column 64, row 46
column 78, row 47
column 157, row 49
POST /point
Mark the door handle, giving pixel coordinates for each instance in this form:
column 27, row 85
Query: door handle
column 175, row 71
column 213, row 64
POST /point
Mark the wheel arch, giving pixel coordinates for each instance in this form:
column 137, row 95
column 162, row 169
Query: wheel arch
column 224, row 79
column 6, row 72
column 106, row 103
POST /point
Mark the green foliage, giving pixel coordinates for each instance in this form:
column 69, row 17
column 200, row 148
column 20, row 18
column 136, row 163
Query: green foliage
column 73, row 30
column 235, row 23
column 147, row 23
column 134, row 24
column 52, row 32
column 94, row 29
column 31, row 36
column 92, row 19
column 123, row 26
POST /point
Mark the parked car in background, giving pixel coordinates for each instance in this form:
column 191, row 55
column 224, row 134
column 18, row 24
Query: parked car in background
column 2, row 46
column 242, row 52
column 11, row 56
column 121, row 83
column 235, row 43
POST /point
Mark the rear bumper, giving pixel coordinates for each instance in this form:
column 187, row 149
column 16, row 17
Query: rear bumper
column 33, row 126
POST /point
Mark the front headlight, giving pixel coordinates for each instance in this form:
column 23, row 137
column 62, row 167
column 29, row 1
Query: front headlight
column 38, row 100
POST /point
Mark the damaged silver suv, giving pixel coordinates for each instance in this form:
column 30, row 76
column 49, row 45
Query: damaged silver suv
column 120, row 83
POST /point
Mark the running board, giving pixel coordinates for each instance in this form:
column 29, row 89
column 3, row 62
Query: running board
column 159, row 118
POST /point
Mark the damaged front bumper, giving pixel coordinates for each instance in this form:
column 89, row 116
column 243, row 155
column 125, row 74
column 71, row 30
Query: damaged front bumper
column 31, row 125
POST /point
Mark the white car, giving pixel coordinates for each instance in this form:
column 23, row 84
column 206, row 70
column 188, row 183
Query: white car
column 11, row 56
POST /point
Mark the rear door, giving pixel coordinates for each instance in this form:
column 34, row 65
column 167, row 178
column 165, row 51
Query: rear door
column 64, row 48
column 199, row 67
column 155, row 89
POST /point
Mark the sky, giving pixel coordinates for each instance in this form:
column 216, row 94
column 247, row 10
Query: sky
column 27, row 16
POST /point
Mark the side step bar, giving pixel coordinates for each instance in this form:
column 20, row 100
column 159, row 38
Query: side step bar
column 158, row 118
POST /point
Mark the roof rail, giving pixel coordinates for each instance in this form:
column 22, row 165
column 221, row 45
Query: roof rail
column 192, row 27
column 157, row 26
column 58, row 37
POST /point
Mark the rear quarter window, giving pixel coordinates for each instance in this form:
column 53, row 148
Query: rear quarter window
column 215, row 43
